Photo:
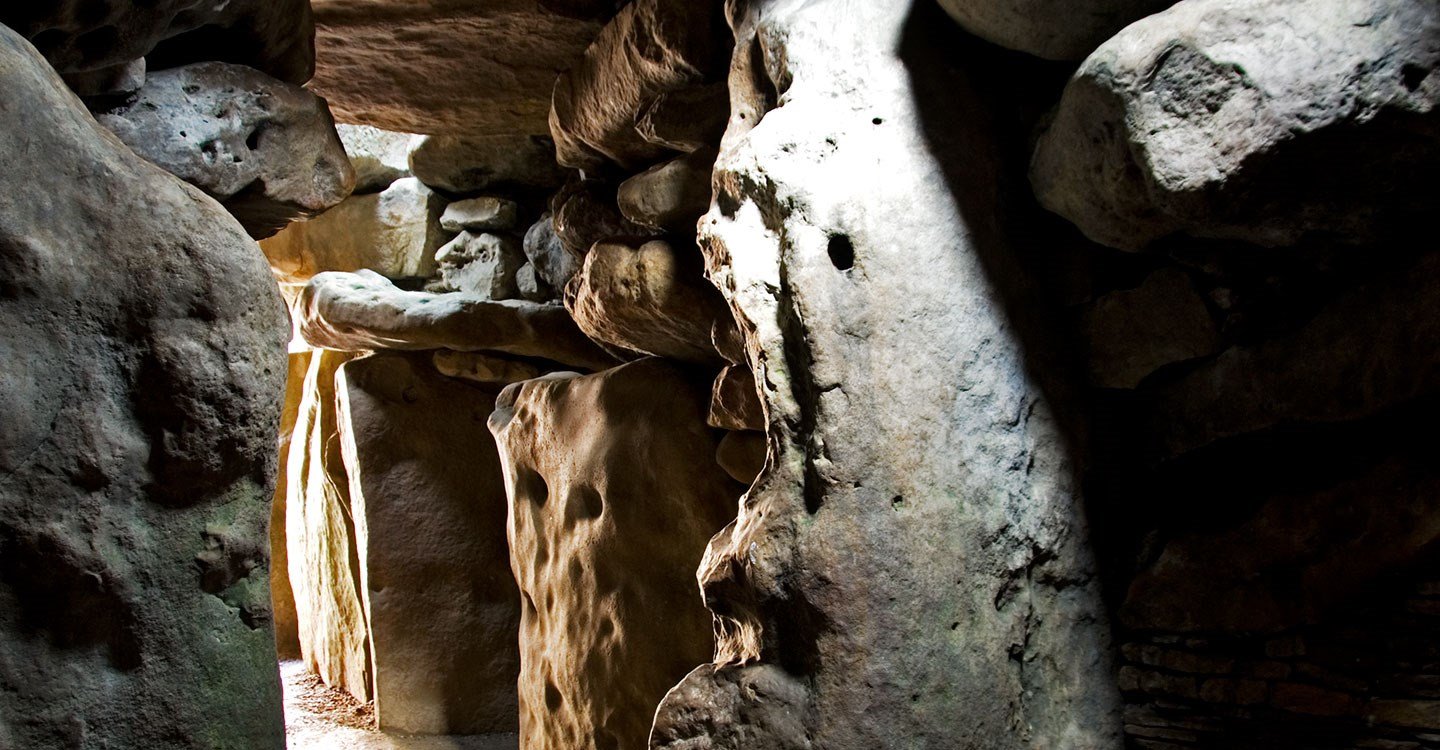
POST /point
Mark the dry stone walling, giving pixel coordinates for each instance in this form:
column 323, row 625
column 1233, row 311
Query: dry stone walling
column 413, row 298
column 616, row 479
column 144, row 342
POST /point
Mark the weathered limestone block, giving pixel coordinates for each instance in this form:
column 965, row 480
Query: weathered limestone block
column 734, row 400
column 1132, row 333
column 470, row 164
column 912, row 565
column 364, row 311
column 650, row 299
column 320, row 539
column 554, row 263
column 586, row 212
column 613, row 489
column 1371, row 349
column 429, row 507
column 275, row 36
column 651, row 47
column 282, row 595
column 672, row 195
column 480, row 263
column 440, row 66
column 379, row 157
column 139, row 406
column 484, row 368
column 1244, row 119
column 266, row 149
column 1053, row 29
column 394, row 233
column 479, row 214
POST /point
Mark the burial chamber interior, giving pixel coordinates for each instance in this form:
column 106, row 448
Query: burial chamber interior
column 719, row 374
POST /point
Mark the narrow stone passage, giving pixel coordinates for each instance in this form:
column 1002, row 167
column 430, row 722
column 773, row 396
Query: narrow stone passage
column 324, row 718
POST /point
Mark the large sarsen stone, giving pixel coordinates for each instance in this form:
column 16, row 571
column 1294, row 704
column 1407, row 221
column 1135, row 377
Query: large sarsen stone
column 139, row 412
column 1269, row 122
column 264, row 148
column 613, row 491
column 429, row 507
column 459, row 67
column 911, row 568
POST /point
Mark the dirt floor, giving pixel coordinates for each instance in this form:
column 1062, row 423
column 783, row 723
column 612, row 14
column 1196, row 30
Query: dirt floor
column 321, row 718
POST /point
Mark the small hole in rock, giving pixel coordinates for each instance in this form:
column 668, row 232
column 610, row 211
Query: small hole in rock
column 1412, row 76
column 842, row 252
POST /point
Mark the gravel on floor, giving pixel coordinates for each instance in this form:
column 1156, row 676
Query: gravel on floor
column 318, row 717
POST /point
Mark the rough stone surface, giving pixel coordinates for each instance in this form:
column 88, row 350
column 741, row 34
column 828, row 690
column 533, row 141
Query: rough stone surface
column 275, row 36
column 320, row 539
column 480, row 263
column 742, row 455
column 586, row 212
column 395, row 233
column 145, row 346
column 651, row 299
column 266, row 149
column 379, row 157
column 532, row 287
column 651, row 47
column 1244, row 119
column 429, row 508
column 687, row 120
column 282, row 595
column 458, row 67
column 914, row 557
column 1133, row 333
column 484, row 368
column 479, row 214
column 672, row 196
column 363, row 311
column 554, row 263
column 1053, row 29
column 1366, row 351
column 474, row 163
column 734, row 400
column 119, row 80
column 614, row 490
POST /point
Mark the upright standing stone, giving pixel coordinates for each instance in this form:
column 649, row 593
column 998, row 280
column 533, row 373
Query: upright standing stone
column 320, row 539
column 429, row 508
column 282, row 594
column 613, row 491
column 911, row 568
column 144, row 345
